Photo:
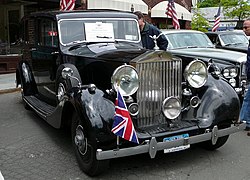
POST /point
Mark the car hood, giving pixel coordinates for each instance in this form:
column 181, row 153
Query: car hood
column 235, row 48
column 106, row 51
column 214, row 53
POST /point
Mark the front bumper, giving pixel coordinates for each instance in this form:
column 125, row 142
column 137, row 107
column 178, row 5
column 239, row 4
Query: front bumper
column 153, row 146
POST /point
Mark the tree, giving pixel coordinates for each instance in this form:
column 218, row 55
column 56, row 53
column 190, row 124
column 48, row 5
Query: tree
column 208, row 3
column 236, row 8
column 199, row 22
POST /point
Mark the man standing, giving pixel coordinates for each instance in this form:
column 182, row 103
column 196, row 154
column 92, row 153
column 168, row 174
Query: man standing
column 245, row 109
column 149, row 33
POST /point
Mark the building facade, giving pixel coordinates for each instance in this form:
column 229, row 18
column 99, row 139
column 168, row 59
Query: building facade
column 11, row 12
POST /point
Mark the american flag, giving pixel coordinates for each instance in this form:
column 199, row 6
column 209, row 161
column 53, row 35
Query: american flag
column 67, row 5
column 171, row 12
column 123, row 125
column 217, row 21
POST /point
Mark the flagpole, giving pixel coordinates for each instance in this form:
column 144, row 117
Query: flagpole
column 117, row 141
column 117, row 137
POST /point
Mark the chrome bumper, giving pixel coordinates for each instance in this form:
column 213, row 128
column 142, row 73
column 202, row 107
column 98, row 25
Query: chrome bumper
column 153, row 146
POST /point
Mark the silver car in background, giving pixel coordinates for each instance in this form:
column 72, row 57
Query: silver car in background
column 230, row 40
column 195, row 44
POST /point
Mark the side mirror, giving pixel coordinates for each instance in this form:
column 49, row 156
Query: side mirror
column 67, row 73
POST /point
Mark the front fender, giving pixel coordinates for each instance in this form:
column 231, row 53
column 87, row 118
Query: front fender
column 219, row 104
column 99, row 111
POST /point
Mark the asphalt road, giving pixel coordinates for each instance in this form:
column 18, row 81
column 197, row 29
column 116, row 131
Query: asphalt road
column 31, row 149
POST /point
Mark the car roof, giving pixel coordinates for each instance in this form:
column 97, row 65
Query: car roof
column 172, row 31
column 226, row 32
column 84, row 14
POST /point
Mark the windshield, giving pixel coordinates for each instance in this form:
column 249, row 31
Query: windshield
column 233, row 38
column 98, row 30
column 188, row 40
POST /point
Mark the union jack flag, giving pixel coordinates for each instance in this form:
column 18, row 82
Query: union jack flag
column 123, row 125
column 171, row 12
column 217, row 21
column 67, row 5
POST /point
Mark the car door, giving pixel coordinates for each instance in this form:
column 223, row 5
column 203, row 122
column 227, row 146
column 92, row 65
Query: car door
column 44, row 57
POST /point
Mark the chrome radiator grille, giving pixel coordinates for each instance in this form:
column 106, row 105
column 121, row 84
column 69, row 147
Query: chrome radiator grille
column 158, row 80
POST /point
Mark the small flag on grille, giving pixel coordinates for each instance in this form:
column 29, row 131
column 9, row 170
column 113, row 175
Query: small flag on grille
column 217, row 20
column 67, row 5
column 171, row 12
column 123, row 125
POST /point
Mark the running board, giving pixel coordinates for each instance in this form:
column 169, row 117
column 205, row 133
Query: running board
column 39, row 106
column 49, row 113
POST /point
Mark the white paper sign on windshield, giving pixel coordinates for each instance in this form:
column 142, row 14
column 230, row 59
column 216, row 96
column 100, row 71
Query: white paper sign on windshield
column 99, row 32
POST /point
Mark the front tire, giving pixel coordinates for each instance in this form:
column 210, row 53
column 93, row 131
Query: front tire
column 220, row 142
column 85, row 149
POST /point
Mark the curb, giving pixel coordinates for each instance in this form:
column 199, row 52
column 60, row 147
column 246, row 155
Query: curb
column 11, row 90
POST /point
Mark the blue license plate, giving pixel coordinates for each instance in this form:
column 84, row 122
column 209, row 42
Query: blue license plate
column 178, row 148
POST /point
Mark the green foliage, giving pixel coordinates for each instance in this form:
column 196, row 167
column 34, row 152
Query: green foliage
column 208, row 3
column 236, row 8
column 199, row 22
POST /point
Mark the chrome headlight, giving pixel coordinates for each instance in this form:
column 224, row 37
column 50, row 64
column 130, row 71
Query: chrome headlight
column 226, row 73
column 196, row 73
column 125, row 78
column 233, row 72
column 171, row 107
column 230, row 72
column 232, row 82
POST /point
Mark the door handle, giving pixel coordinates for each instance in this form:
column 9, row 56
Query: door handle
column 55, row 52
column 33, row 49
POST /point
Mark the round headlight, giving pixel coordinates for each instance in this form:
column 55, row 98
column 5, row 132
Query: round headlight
column 171, row 107
column 196, row 73
column 232, row 82
column 226, row 73
column 233, row 72
column 125, row 78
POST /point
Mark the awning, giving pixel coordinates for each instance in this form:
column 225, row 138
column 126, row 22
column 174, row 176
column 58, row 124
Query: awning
column 159, row 10
column 123, row 5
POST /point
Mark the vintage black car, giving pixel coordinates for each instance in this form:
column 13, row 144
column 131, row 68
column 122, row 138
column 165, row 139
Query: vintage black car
column 75, row 62
column 230, row 40
column 189, row 44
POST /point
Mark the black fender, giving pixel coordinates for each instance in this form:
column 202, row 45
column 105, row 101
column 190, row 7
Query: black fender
column 97, row 114
column 25, row 78
column 219, row 104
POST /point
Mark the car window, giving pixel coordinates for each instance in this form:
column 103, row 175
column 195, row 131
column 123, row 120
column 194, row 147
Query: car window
column 185, row 40
column 233, row 38
column 98, row 30
column 47, row 33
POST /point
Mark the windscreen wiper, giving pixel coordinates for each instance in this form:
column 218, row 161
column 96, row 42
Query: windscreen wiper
column 229, row 44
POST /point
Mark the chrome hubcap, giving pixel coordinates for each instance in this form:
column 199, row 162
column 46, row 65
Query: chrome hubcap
column 60, row 92
column 80, row 140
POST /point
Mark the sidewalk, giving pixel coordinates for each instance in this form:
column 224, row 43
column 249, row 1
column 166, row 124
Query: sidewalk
column 8, row 83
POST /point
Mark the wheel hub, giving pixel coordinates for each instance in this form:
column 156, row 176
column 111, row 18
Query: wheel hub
column 80, row 140
column 60, row 92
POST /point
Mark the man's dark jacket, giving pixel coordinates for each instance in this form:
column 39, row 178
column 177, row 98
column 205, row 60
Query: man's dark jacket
column 148, row 42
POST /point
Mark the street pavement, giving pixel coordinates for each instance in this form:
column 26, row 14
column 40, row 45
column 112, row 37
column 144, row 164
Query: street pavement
column 8, row 83
column 32, row 149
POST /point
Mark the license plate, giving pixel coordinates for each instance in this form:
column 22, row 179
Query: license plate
column 178, row 148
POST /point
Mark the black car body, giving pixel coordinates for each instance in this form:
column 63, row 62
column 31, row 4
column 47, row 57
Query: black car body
column 230, row 40
column 188, row 44
column 74, row 62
